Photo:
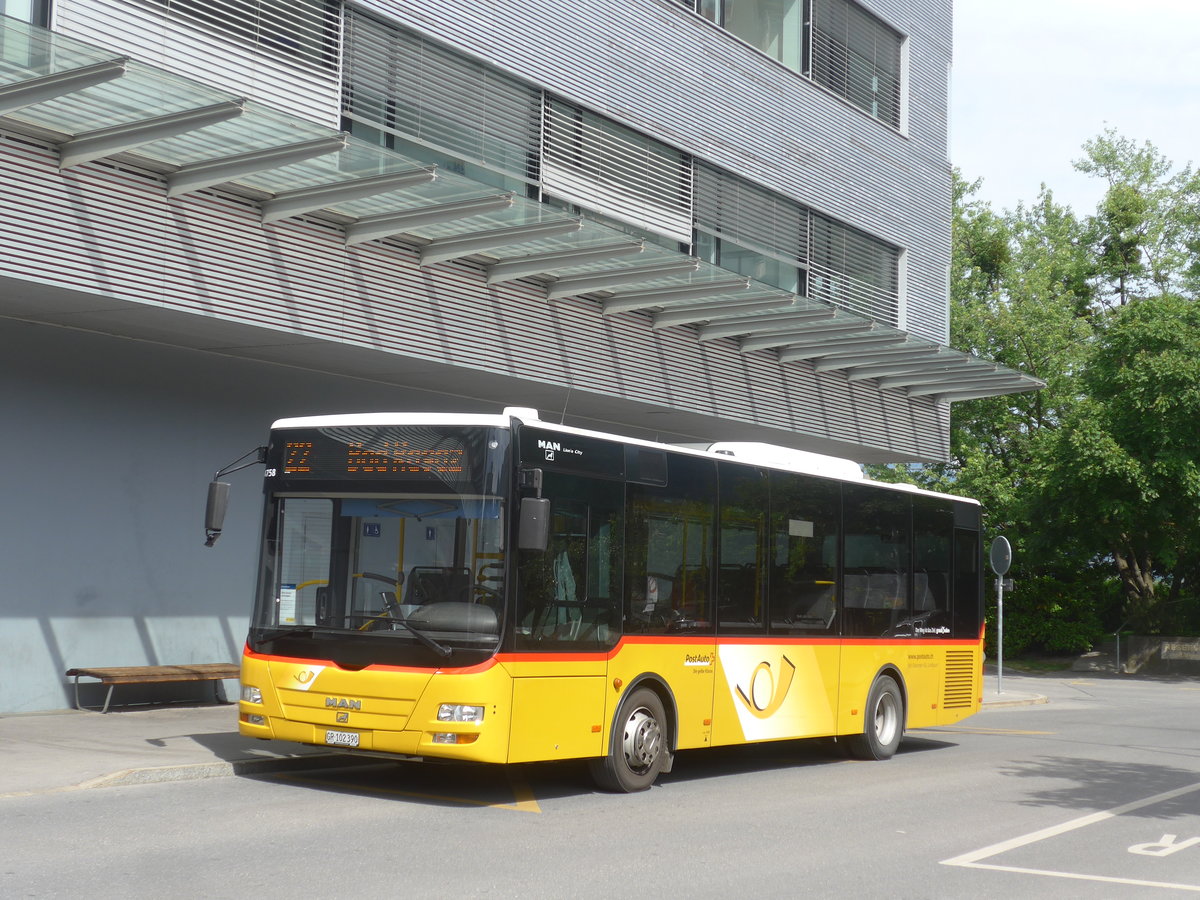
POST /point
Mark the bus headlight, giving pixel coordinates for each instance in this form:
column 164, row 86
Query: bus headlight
column 251, row 694
column 460, row 712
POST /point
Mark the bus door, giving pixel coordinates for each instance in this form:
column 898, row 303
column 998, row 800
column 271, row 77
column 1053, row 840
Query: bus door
column 567, row 618
column 669, row 572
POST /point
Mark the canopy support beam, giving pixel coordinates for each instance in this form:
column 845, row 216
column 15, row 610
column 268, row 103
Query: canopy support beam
column 104, row 142
column 56, row 84
column 200, row 175
column 286, row 204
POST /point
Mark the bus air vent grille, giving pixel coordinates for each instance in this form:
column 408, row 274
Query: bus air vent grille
column 959, row 689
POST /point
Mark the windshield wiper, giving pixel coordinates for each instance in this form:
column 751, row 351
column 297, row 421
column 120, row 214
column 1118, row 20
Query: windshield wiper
column 386, row 616
column 440, row 649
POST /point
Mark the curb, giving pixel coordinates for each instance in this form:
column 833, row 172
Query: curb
column 199, row 771
column 240, row 767
column 1031, row 700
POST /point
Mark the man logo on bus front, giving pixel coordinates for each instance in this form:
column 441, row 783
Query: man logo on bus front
column 764, row 696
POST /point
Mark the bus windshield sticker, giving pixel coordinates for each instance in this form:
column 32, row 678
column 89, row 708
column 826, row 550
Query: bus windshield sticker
column 287, row 604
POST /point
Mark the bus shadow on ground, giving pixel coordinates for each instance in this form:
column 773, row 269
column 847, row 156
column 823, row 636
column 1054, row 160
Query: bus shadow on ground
column 448, row 784
column 770, row 756
column 521, row 787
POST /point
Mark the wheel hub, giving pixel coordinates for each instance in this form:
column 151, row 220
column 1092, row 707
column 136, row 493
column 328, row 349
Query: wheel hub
column 887, row 718
column 642, row 740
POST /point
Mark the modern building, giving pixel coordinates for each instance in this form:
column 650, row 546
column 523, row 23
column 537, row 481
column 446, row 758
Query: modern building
column 691, row 221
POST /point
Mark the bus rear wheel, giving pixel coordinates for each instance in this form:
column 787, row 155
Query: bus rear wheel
column 638, row 747
column 883, row 724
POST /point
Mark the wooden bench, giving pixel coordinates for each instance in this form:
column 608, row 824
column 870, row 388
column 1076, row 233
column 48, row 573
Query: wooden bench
column 153, row 675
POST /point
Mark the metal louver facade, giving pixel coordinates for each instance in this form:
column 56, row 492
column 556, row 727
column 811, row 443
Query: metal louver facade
column 406, row 85
column 603, row 167
column 283, row 52
column 662, row 70
column 857, row 56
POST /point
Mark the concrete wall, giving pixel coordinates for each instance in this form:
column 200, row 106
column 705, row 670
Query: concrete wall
column 107, row 451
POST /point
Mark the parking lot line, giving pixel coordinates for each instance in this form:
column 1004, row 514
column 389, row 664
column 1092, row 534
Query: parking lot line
column 974, row 859
column 1078, row 876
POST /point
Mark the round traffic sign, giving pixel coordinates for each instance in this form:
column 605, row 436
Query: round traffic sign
column 1001, row 555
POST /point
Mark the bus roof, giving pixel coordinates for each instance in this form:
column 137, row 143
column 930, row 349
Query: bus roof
column 751, row 453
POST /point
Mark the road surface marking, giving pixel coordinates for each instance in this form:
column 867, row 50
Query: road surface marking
column 973, row 859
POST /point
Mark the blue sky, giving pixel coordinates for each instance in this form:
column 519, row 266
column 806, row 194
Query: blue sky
column 1034, row 79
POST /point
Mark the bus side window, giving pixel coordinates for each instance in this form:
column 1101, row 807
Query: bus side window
column 742, row 575
column 968, row 584
column 933, row 530
column 804, row 559
column 877, row 562
column 670, row 550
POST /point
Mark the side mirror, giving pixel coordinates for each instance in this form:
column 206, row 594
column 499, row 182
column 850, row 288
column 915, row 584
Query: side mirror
column 534, row 533
column 214, row 511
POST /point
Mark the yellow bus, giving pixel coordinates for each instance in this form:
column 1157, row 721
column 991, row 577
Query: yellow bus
column 498, row 589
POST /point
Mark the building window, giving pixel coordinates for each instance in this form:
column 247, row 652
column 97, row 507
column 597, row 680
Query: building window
column 836, row 43
column 851, row 269
column 434, row 105
column 856, row 56
column 750, row 230
column 35, row 12
column 600, row 165
column 302, row 31
column 758, row 233
column 776, row 27
column 413, row 93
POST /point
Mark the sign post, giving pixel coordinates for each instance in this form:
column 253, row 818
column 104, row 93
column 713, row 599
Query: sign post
column 1001, row 559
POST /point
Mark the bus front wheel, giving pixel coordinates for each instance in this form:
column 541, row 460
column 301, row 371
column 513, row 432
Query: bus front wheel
column 638, row 747
column 883, row 724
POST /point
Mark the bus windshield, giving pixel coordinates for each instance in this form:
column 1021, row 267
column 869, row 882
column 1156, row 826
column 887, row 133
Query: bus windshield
column 407, row 553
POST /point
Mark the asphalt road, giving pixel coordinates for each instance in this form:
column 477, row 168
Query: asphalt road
column 1093, row 794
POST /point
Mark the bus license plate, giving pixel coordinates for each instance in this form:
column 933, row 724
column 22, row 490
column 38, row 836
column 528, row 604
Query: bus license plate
column 342, row 738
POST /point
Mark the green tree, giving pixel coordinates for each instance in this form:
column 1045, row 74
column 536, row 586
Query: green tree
column 1124, row 471
column 1146, row 232
column 1094, row 479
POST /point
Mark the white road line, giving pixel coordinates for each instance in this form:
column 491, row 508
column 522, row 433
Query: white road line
column 1081, row 877
column 973, row 859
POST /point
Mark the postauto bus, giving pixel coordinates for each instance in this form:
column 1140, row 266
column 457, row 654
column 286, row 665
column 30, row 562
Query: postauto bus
column 498, row 589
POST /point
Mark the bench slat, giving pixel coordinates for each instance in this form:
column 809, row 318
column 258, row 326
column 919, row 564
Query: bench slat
column 112, row 675
column 153, row 674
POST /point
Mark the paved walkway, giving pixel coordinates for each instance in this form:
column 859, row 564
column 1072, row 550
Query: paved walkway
column 69, row 750
column 73, row 750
